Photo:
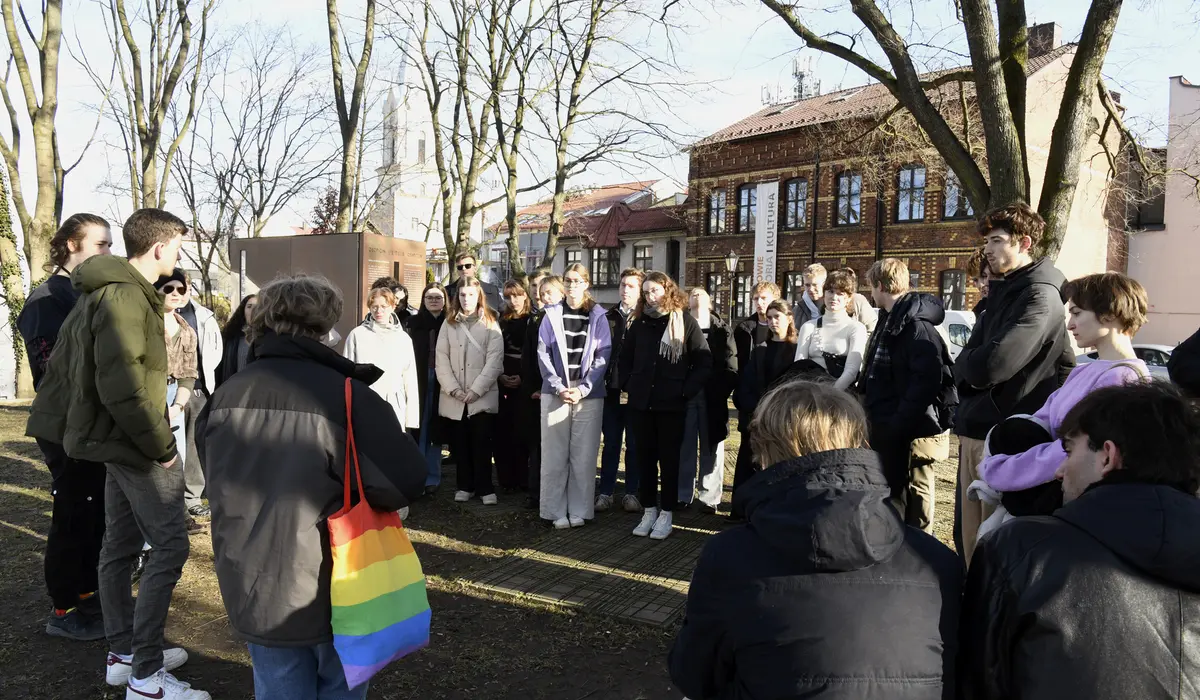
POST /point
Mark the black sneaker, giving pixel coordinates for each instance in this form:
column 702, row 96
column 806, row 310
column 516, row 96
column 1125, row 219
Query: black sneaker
column 194, row 526
column 199, row 511
column 74, row 625
column 531, row 503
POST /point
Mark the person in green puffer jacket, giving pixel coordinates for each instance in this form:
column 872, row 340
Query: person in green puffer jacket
column 104, row 399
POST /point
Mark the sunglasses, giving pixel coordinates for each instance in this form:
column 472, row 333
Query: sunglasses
column 173, row 288
column 465, row 266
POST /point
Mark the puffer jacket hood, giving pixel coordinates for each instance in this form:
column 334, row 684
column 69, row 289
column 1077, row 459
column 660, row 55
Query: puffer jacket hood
column 102, row 270
column 1150, row 526
column 915, row 306
column 829, row 509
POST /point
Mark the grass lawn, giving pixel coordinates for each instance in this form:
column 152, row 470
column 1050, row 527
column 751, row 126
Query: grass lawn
column 482, row 647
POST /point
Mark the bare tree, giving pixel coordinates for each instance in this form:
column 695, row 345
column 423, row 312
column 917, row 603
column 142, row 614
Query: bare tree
column 349, row 114
column 998, row 46
column 149, row 80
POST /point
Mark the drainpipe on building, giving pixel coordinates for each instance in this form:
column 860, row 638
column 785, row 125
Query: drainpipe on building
column 879, row 225
column 812, row 256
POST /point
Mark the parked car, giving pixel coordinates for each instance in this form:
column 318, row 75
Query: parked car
column 956, row 331
column 1155, row 357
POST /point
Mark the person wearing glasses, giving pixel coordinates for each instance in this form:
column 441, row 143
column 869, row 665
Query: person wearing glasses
column 468, row 269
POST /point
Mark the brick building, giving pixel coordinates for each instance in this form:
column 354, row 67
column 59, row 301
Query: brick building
column 829, row 213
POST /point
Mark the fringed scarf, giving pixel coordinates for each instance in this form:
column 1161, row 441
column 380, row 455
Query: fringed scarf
column 671, row 345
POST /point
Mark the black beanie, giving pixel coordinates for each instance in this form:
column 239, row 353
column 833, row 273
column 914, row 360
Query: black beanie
column 177, row 275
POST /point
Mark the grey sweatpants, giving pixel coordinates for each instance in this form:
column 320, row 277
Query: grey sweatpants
column 141, row 506
column 570, row 450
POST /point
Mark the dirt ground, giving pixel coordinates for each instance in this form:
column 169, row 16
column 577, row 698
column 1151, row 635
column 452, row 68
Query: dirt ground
column 481, row 647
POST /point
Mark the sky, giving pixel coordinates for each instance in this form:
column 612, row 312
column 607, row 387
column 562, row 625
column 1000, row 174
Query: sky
column 735, row 48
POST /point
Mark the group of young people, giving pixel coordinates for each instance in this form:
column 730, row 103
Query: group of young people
column 1076, row 510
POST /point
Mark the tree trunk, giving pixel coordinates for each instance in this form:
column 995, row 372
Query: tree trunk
column 1014, row 59
column 14, row 294
column 1071, row 129
column 348, row 113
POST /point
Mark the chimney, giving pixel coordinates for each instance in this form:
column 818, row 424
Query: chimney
column 1044, row 38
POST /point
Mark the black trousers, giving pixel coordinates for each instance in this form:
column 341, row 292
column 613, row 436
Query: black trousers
column 658, row 439
column 510, row 447
column 76, row 526
column 745, row 469
column 471, row 446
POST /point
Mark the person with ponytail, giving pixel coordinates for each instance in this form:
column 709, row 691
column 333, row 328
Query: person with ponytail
column 77, row 518
column 573, row 349
column 470, row 358
column 665, row 362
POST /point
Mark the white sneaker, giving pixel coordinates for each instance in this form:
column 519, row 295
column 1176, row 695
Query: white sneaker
column 662, row 526
column 648, row 520
column 576, row 522
column 562, row 524
column 164, row 686
column 490, row 500
column 463, row 496
column 403, row 513
column 118, row 670
column 603, row 503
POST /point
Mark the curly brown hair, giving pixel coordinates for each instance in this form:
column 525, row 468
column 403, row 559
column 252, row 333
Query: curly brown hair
column 1017, row 220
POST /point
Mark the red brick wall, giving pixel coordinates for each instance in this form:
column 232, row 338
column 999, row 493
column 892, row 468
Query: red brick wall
column 930, row 246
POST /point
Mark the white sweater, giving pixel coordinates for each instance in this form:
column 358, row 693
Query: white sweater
column 390, row 349
column 838, row 335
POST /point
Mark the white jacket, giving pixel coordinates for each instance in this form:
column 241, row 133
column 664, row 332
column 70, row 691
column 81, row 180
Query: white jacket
column 390, row 349
column 210, row 345
column 469, row 357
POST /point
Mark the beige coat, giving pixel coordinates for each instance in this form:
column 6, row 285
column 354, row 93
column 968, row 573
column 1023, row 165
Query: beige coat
column 470, row 366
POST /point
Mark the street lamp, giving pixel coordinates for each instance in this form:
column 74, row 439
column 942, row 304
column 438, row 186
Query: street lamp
column 731, row 261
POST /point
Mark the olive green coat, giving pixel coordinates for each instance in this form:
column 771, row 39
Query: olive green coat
column 104, row 396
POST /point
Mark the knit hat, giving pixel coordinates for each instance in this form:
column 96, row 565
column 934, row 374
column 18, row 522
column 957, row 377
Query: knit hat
column 177, row 275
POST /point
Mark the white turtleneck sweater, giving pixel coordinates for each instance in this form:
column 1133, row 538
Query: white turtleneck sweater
column 838, row 335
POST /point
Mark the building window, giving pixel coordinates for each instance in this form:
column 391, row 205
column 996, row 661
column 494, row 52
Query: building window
column 421, row 150
column 416, row 223
column 955, row 204
column 643, row 257
column 606, row 267
column 849, row 198
column 914, row 281
column 910, row 194
column 716, row 212
column 954, row 289
column 502, row 264
column 714, row 284
column 743, row 285
column 747, row 208
column 574, row 255
column 795, row 203
column 794, row 286
column 533, row 258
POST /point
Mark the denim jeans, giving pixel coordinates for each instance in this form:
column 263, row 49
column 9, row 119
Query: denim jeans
column 301, row 673
column 612, row 426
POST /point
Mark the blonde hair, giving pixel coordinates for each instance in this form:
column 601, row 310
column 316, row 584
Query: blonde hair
column 305, row 306
column 554, row 281
column 384, row 292
column 890, row 274
column 705, row 297
column 799, row 418
column 816, row 270
column 482, row 310
column 579, row 269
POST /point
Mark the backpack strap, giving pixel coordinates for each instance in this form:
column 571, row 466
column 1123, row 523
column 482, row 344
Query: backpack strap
column 1144, row 375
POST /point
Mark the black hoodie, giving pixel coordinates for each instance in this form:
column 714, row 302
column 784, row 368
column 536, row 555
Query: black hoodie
column 1019, row 352
column 903, row 371
column 823, row 593
column 42, row 317
column 1100, row 601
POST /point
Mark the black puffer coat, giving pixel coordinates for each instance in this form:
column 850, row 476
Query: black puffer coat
column 1100, row 601
column 1184, row 365
column 723, row 379
column 423, row 328
column 825, row 593
column 651, row 380
column 273, row 440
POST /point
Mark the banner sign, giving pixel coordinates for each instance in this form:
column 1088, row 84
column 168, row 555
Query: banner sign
column 766, row 232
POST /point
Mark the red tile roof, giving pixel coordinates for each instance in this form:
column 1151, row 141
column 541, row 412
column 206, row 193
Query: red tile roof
column 537, row 215
column 605, row 230
column 863, row 101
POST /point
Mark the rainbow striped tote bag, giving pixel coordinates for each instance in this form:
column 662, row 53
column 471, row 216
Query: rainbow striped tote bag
column 380, row 609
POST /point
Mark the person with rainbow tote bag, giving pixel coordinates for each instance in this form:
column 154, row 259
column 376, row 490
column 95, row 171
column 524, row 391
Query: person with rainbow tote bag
column 307, row 468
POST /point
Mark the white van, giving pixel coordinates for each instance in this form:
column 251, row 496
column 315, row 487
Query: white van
column 956, row 331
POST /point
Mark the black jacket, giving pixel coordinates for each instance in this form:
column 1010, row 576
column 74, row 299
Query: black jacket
column 1019, row 352
column 824, row 593
column 1100, row 601
column 744, row 336
column 722, row 381
column 41, row 318
column 617, row 325
column 423, row 328
column 490, row 292
column 273, row 440
column 759, row 375
column 903, row 369
column 530, row 416
column 651, row 380
column 1184, row 365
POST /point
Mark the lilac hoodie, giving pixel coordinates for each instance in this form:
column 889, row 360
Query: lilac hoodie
column 596, row 349
column 1037, row 466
